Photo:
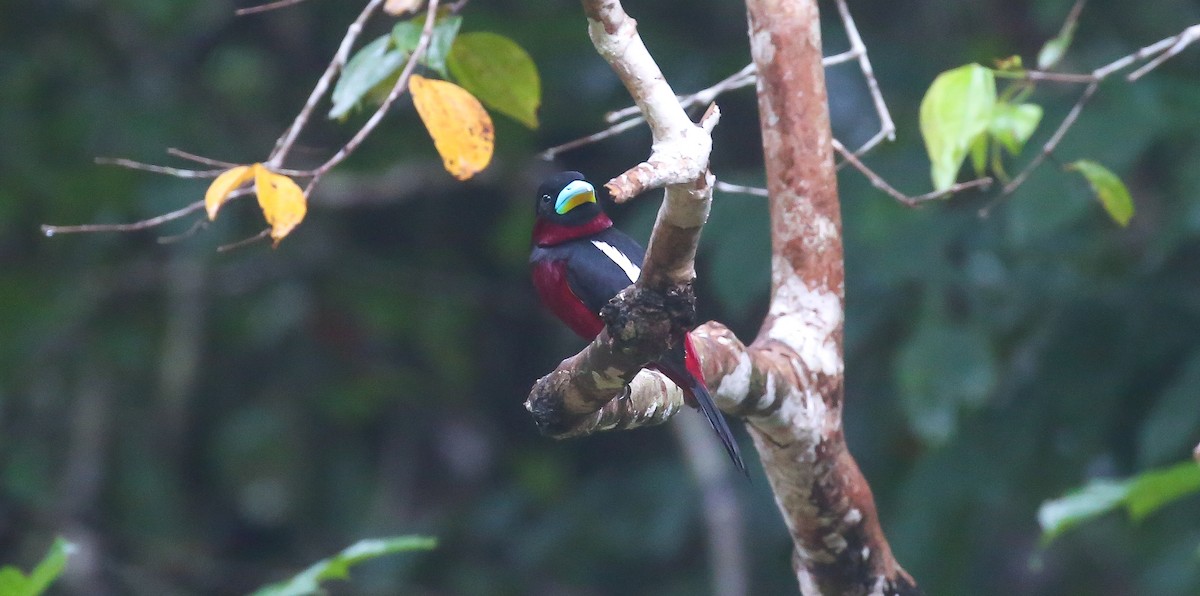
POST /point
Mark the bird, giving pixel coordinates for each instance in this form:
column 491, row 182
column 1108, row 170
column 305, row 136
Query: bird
column 579, row 261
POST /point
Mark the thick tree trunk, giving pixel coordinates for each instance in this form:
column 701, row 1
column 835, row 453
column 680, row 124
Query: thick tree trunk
column 788, row 384
column 826, row 502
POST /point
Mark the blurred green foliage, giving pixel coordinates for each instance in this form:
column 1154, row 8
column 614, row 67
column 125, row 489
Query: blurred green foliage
column 202, row 423
column 13, row 582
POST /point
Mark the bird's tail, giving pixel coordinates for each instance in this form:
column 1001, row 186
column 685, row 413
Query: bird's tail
column 681, row 366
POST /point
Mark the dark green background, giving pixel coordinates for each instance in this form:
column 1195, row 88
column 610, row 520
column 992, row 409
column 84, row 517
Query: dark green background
column 204, row 423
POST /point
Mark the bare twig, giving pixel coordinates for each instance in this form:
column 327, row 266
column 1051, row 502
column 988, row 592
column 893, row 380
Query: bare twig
column 265, row 7
column 125, row 227
column 739, row 189
column 628, row 117
column 196, row 227
column 285, row 142
column 263, row 235
column 159, row 220
column 887, row 129
column 208, row 161
column 1164, row 45
column 742, row 78
column 146, row 167
column 912, row 201
column 611, row 131
column 1189, row 36
column 228, row 164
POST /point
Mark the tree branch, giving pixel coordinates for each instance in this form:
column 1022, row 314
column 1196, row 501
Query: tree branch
column 577, row 397
column 912, row 201
column 788, row 384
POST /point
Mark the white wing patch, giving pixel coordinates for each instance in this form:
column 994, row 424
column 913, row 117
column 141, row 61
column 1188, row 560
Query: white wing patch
column 631, row 270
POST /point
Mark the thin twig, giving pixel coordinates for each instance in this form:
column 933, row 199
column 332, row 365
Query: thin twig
column 912, row 201
column 741, row 78
column 1189, row 36
column 887, row 128
column 1048, row 148
column 49, row 230
column 200, row 224
column 739, row 189
column 169, row 171
column 265, row 7
column 628, row 117
column 397, row 90
column 208, row 161
column 1042, row 75
column 1146, row 52
column 285, row 142
column 245, row 241
column 227, row 164
column 611, row 131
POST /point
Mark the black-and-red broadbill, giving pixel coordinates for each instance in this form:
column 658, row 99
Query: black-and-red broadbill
column 580, row 261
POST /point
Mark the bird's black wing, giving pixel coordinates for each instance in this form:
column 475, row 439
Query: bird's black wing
column 601, row 265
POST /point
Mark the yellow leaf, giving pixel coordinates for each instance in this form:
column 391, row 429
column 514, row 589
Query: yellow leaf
column 227, row 182
column 461, row 129
column 282, row 201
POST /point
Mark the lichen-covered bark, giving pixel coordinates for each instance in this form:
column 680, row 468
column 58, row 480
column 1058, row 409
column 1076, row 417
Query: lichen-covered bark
column 797, row 357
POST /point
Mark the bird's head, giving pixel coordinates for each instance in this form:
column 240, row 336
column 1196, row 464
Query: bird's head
column 566, row 209
column 567, row 199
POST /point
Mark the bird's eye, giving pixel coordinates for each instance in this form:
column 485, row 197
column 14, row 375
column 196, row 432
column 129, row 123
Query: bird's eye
column 545, row 198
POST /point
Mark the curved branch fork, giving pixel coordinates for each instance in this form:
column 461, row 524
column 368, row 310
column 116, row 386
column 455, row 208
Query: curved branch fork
column 601, row 388
column 587, row 392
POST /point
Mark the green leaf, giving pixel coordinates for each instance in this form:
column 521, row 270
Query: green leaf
column 1151, row 490
column 14, row 583
column 499, row 72
column 1141, row 495
column 1012, row 125
column 407, row 34
column 338, row 566
column 1108, row 188
column 1093, row 500
column 51, row 566
column 955, row 111
column 372, row 64
column 1056, row 48
column 979, row 154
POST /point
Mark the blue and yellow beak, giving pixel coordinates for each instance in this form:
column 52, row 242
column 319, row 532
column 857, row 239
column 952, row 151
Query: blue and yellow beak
column 573, row 195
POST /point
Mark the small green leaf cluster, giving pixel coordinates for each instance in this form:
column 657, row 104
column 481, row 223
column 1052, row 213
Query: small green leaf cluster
column 963, row 114
column 494, row 68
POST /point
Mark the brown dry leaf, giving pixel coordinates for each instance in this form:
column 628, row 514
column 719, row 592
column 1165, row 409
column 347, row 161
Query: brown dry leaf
column 281, row 199
column 461, row 129
column 399, row 7
column 227, row 182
